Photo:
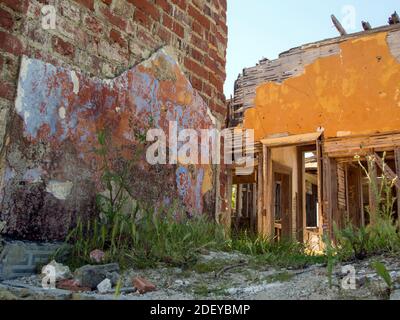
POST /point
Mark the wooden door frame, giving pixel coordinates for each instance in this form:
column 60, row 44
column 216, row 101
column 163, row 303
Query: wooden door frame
column 285, row 170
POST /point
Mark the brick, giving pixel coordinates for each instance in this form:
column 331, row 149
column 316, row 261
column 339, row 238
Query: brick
column 62, row 47
column 164, row 34
column 93, row 24
column 7, row 90
column 164, row 4
column 117, row 37
column 197, row 55
column 142, row 19
column 142, row 285
column 147, row 7
column 6, row 20
column 70, row 11
column 180, row 3
column 178, row 29
column 20, row 6
column 71, row 285
column 199, row 17
column 195, row 67
column 10, row 43
column 197, row 83
column 87, row 3
column 168, row 21
column 198, row 28
column 114, row 19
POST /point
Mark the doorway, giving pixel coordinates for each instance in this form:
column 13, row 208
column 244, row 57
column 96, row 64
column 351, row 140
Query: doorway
column 282, row 201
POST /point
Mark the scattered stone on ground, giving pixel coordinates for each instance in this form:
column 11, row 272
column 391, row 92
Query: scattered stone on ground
column 104, row 286
column 72, row 285
column 250, row 281
column 143, row 285
column 91, row 275
column 60, row 271
column 97, row 256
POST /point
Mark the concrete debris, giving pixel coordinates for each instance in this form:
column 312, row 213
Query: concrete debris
column 60, row 271
column 104, row 286
column 91, row 275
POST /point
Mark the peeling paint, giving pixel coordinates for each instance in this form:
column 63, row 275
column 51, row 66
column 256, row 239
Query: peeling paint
column 60, row 190
column 355, row 92
column 59, row 114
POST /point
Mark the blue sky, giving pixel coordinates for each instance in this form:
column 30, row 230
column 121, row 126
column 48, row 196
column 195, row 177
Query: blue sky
column 265, row 28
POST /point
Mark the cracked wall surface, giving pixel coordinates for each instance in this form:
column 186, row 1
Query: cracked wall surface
column 51, row 173
column 356, row 91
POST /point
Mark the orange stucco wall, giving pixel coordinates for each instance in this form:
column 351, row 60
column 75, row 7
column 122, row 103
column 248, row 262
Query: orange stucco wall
column 355, row 92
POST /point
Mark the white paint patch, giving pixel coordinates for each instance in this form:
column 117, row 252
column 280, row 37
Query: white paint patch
column 62, row 112
column 75, row 81
column 60, row 190
column 23, row 72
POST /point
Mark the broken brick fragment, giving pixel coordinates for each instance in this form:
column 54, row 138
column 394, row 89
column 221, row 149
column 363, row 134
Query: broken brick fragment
column 143, row 286
column 71, row 285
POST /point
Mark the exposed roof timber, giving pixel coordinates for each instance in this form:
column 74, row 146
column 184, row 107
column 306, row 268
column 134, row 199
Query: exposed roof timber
column 299, row 139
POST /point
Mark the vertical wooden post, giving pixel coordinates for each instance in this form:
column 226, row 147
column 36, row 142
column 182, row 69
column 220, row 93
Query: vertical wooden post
column 253, row 213
column 239, row 204
column 260, row 187
column 268, row 188
column 373, row 191
column 397, row 160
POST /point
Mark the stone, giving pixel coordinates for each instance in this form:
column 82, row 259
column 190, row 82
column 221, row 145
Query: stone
column 97, row 256
column 114, row 277
column 104, row 286
column 61, row 272
column 395, row 295
column 142, row 285
column 22, row 258
column 72, row 285
column 91, row 275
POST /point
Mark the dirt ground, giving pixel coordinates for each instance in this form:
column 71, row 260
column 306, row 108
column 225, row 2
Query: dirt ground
column 229, row 276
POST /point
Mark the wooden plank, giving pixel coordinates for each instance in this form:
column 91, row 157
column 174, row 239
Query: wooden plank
column 268, row 223
column 260, row 187
column 253, row 216
column 291, row 140
column 397, row 161
column 387, row 171
column 300, row 196
column 373, row 192
column 361, row 144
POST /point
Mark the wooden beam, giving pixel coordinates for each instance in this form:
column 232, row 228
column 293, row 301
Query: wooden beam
column 397, row 161
column 373, row 191
column 338, row 25
column 268, row 223
column 253, row 216
column 260, row 187
column 297, row 139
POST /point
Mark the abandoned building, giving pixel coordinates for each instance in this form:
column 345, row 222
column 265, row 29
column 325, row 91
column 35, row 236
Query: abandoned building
column 313, row 110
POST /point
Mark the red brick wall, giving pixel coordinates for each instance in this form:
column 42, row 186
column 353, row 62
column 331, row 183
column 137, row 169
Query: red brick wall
column 106, row 37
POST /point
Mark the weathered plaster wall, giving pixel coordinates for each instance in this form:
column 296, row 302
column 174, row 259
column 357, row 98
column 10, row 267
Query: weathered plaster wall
column 354, row 92
column 51, row 174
